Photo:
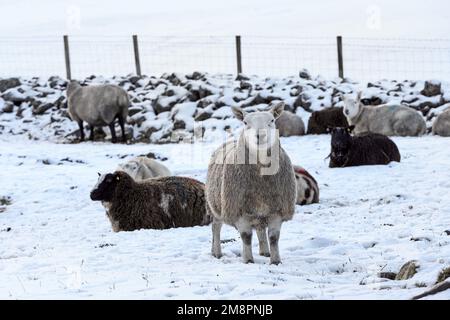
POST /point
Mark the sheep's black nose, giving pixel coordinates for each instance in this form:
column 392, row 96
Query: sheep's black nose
column 94, row 196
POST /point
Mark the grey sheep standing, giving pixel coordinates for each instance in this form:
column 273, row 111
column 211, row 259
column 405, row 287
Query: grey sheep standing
column 99, row 106
column 160, row 203
column 389, row 120
column 441, row 125
column 289, row 124
column 251, row 185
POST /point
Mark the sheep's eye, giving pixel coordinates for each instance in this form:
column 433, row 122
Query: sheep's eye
column 245, row 122
column 272, row 121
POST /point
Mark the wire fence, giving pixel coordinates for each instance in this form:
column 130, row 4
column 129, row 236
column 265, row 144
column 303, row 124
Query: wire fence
column 364, row 59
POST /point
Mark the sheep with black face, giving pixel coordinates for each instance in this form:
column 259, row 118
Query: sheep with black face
column 160, row 203
column 365, row 149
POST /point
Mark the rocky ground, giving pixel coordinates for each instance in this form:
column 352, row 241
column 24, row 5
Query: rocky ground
column 174, row 106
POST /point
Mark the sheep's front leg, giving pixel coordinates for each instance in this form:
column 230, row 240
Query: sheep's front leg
column 245, row 229
column 274, row 236
column 80, row 125
column 122, row 127
column 263, row 244
column 216, row 249
column 91, row 137
column 113, row 132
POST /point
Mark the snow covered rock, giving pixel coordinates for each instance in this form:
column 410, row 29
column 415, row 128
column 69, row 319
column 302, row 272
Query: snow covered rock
column 6, row 84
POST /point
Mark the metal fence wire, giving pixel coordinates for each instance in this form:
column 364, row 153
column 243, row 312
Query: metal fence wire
column 363, row 59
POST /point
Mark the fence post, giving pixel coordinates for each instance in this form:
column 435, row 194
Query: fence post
column 67, row 57
column 238, row 54
column 137, row 61
column 340, row 57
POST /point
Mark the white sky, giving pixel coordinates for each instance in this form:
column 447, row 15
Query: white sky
column 381, row 18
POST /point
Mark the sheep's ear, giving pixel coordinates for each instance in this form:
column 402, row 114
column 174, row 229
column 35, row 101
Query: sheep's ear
column 238, row 113
column 277, row 110
column 350, row 128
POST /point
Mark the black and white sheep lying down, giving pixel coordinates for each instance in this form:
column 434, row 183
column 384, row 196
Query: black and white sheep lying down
column 364, row 149
column 159, row 203
column 307, row 187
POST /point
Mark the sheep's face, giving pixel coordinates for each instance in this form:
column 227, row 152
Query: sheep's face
column 105, row 187
column 340, row 144
column 352, row 106
column 260, row 131
column 71, row 87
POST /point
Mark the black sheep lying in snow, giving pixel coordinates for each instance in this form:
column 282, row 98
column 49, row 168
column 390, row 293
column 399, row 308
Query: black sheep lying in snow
column 364, row 149
column 158, row 203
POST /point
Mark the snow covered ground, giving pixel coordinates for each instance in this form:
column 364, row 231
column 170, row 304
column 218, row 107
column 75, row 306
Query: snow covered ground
column 57, row 243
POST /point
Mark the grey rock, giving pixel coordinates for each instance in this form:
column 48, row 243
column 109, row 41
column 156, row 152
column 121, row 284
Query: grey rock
column 6, row 84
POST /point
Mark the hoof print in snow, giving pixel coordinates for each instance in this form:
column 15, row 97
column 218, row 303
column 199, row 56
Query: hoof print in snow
column 407, row 271
column 104, row 245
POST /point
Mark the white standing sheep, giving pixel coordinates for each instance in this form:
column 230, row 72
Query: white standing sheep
column 141, row 168
column 251, row 185
column 389, row 120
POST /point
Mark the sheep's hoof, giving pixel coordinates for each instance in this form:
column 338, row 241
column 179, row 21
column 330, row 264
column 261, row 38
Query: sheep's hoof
column 249, row 261
column 217, row 255
column 275, row 262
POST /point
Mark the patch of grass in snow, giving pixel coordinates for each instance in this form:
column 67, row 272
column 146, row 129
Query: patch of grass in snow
column 443, row 275
column 5, row 201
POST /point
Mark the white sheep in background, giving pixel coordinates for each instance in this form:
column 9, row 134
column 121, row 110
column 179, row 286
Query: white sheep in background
column 141, row 168
column 441, row 125
column 389, row 120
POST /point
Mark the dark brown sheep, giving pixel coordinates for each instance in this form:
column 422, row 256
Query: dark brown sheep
column 160, row 203
column 364, row 149
column 326, row 118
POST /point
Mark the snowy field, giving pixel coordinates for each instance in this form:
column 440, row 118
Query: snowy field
column 57, row 243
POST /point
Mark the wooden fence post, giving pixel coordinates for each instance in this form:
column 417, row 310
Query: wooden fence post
column 238, row 54
column 137, row 61
column 67, row 57
column 340, row 57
